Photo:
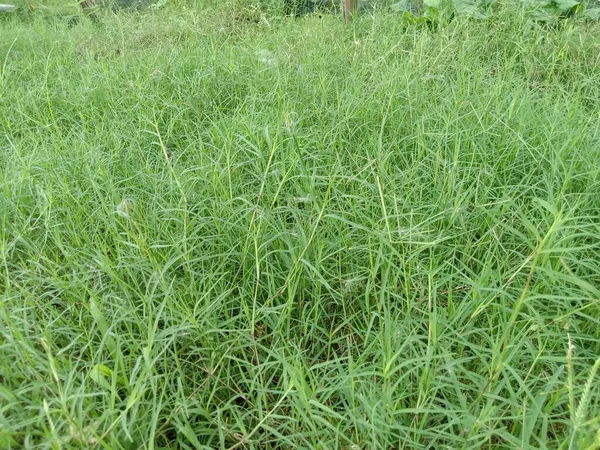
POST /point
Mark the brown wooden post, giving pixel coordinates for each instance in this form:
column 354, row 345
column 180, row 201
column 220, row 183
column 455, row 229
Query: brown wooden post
column 349, row 9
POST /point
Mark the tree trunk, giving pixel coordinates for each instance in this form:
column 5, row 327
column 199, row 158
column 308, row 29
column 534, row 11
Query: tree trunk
column 349, row 9
column 90, row 5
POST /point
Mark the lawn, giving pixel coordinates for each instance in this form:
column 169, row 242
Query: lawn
column 227, row 229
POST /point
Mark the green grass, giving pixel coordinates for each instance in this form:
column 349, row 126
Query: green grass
column 222, row 230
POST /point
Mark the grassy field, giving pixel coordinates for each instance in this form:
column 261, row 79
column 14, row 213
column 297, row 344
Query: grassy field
column 226, row 230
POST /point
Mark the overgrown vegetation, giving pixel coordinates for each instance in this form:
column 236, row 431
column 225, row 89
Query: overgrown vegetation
column 223, row 229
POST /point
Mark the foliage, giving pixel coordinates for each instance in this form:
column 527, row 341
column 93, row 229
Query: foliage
column 539, row 10
column 220, row 230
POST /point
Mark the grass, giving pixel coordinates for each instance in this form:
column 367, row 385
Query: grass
column 222, row 230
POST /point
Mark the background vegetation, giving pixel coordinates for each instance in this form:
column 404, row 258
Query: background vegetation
column 224, row 228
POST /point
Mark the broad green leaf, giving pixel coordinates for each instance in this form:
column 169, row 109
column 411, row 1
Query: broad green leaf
column 592, row 13
column 565, row 5
column 99, row 375
column 103, row 325
column 402, row 5
column 546, row 205
column 432, row 3
column 98, row 317
column 469, row 8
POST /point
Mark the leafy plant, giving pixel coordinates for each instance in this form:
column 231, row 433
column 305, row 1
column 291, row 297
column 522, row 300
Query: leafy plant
column 540, row 10
column 225, row 233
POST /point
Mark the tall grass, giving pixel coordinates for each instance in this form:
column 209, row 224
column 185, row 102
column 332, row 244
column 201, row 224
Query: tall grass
column 226, row 230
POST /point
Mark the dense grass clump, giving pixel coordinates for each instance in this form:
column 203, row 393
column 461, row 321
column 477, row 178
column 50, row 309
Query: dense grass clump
column 225, row 230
